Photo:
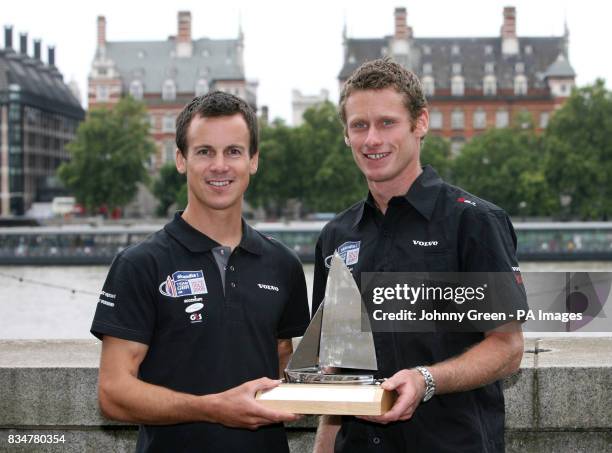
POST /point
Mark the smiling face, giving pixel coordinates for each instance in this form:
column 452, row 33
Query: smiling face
column 385, row 142
column 217, row 162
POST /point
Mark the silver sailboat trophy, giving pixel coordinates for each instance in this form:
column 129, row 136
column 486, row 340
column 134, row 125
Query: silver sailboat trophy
column 332, row 369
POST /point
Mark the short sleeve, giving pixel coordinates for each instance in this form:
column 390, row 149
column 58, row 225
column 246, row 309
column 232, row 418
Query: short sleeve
column 487, row 244
column 295, row 317
column 126, row 307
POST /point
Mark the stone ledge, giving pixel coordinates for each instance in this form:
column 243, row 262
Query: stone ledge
column 568, row 387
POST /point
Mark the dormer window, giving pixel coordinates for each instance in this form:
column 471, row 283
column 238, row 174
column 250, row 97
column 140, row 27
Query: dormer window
column 489, row 68
column 488, row 49
column 201, row 87
column 169, row 90
column 429, row 86
column 520, row 85
column 205, row 53
column 519, row 67
column 457, row 86
column 427, row 68
column 455, row 50
column 426, row 50
column 136, row 90
column 528, row 50
column 489, row 85
column 456, row 68
column 352, row 59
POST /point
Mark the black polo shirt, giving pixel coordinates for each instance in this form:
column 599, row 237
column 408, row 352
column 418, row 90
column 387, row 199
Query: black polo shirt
column 435, row 227
column 167, row 293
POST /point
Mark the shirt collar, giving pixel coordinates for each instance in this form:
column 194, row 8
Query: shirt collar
column 197, row 242
column 422, row 195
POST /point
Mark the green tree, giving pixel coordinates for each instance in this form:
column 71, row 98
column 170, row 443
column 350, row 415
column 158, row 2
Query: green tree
column 167, row 188
column 435, row 151
column 506, row 167
column 108, row 156
column 578, row 140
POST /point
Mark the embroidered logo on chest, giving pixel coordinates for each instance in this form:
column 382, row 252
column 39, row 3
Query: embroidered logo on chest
column 425, row 244
column 349, row 252
column 183, row 283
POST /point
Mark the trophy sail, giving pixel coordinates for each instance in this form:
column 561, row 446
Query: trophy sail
column 344, row 344
column 306, row 354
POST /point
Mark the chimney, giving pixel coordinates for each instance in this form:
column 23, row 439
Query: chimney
column 8, row 36
column 23, row 43
column 508, row 29
column 401, row 25
column 101, row 32
column 51, row 56
column 37, row 49
column 183, row 37
column 510, row 43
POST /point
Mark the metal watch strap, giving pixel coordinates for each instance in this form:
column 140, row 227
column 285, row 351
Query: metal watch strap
column 430, row 384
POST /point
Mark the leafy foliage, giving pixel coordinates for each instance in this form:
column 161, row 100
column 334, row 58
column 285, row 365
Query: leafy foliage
column 108, row 156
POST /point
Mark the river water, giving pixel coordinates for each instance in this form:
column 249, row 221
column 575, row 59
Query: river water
column 58, row 302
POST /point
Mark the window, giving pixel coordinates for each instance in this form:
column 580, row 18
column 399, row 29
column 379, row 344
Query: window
column 151, row 120
column 352, row 59
column 456, row 68
column 489, row 68
column 168, row 123
column 457, row 86
column 102, row 93
column 519, row 67
column 169, row 90
column 502, row 118
column 102, row 71
column 457, row 119
column 488, row 50
column 520, row 85
column 201, row 87
column 528, row 50
column 427, row 68
column 136, row 89
column 205, row 53
column 455, row 50
column 456, row 145
column 426, row 50
column 169, row 149
column 489, row 85
column 429, row 86
column 544, row 117
column 435, row 119
column 480, row 119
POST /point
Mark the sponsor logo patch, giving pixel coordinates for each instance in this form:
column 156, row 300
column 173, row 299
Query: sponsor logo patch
column 425, row 244
column 184, row 283
column 464, row 200
column 268, row 287
column 349, row 252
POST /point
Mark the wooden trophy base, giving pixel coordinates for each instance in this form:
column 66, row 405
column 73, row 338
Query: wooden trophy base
column 328, row 399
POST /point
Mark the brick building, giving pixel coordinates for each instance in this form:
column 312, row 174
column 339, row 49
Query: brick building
column 475, row 83
column 39, row 115
column 166, row 75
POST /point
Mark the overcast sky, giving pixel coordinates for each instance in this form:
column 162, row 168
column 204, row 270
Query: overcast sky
column 291, row 44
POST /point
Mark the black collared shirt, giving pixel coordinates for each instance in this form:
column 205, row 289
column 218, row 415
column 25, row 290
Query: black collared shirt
column 434, row 227
column 167, row 293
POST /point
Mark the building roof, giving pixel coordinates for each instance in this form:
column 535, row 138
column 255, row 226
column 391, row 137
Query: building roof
column 39, row 84
column 472, row 56
column 560, row 68
column 154, row 62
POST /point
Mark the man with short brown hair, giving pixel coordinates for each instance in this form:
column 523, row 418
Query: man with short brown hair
column 449, row 390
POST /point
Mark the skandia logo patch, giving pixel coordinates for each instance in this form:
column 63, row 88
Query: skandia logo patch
column 184, row 283
column 268, row 287
column 349, row 252
column 425, row 244
column 464, row 200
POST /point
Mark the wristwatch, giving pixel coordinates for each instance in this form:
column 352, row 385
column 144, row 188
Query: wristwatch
column 430, row 384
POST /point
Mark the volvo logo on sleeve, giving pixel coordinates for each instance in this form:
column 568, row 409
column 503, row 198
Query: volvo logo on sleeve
column 184, row 283
column 349, row 252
